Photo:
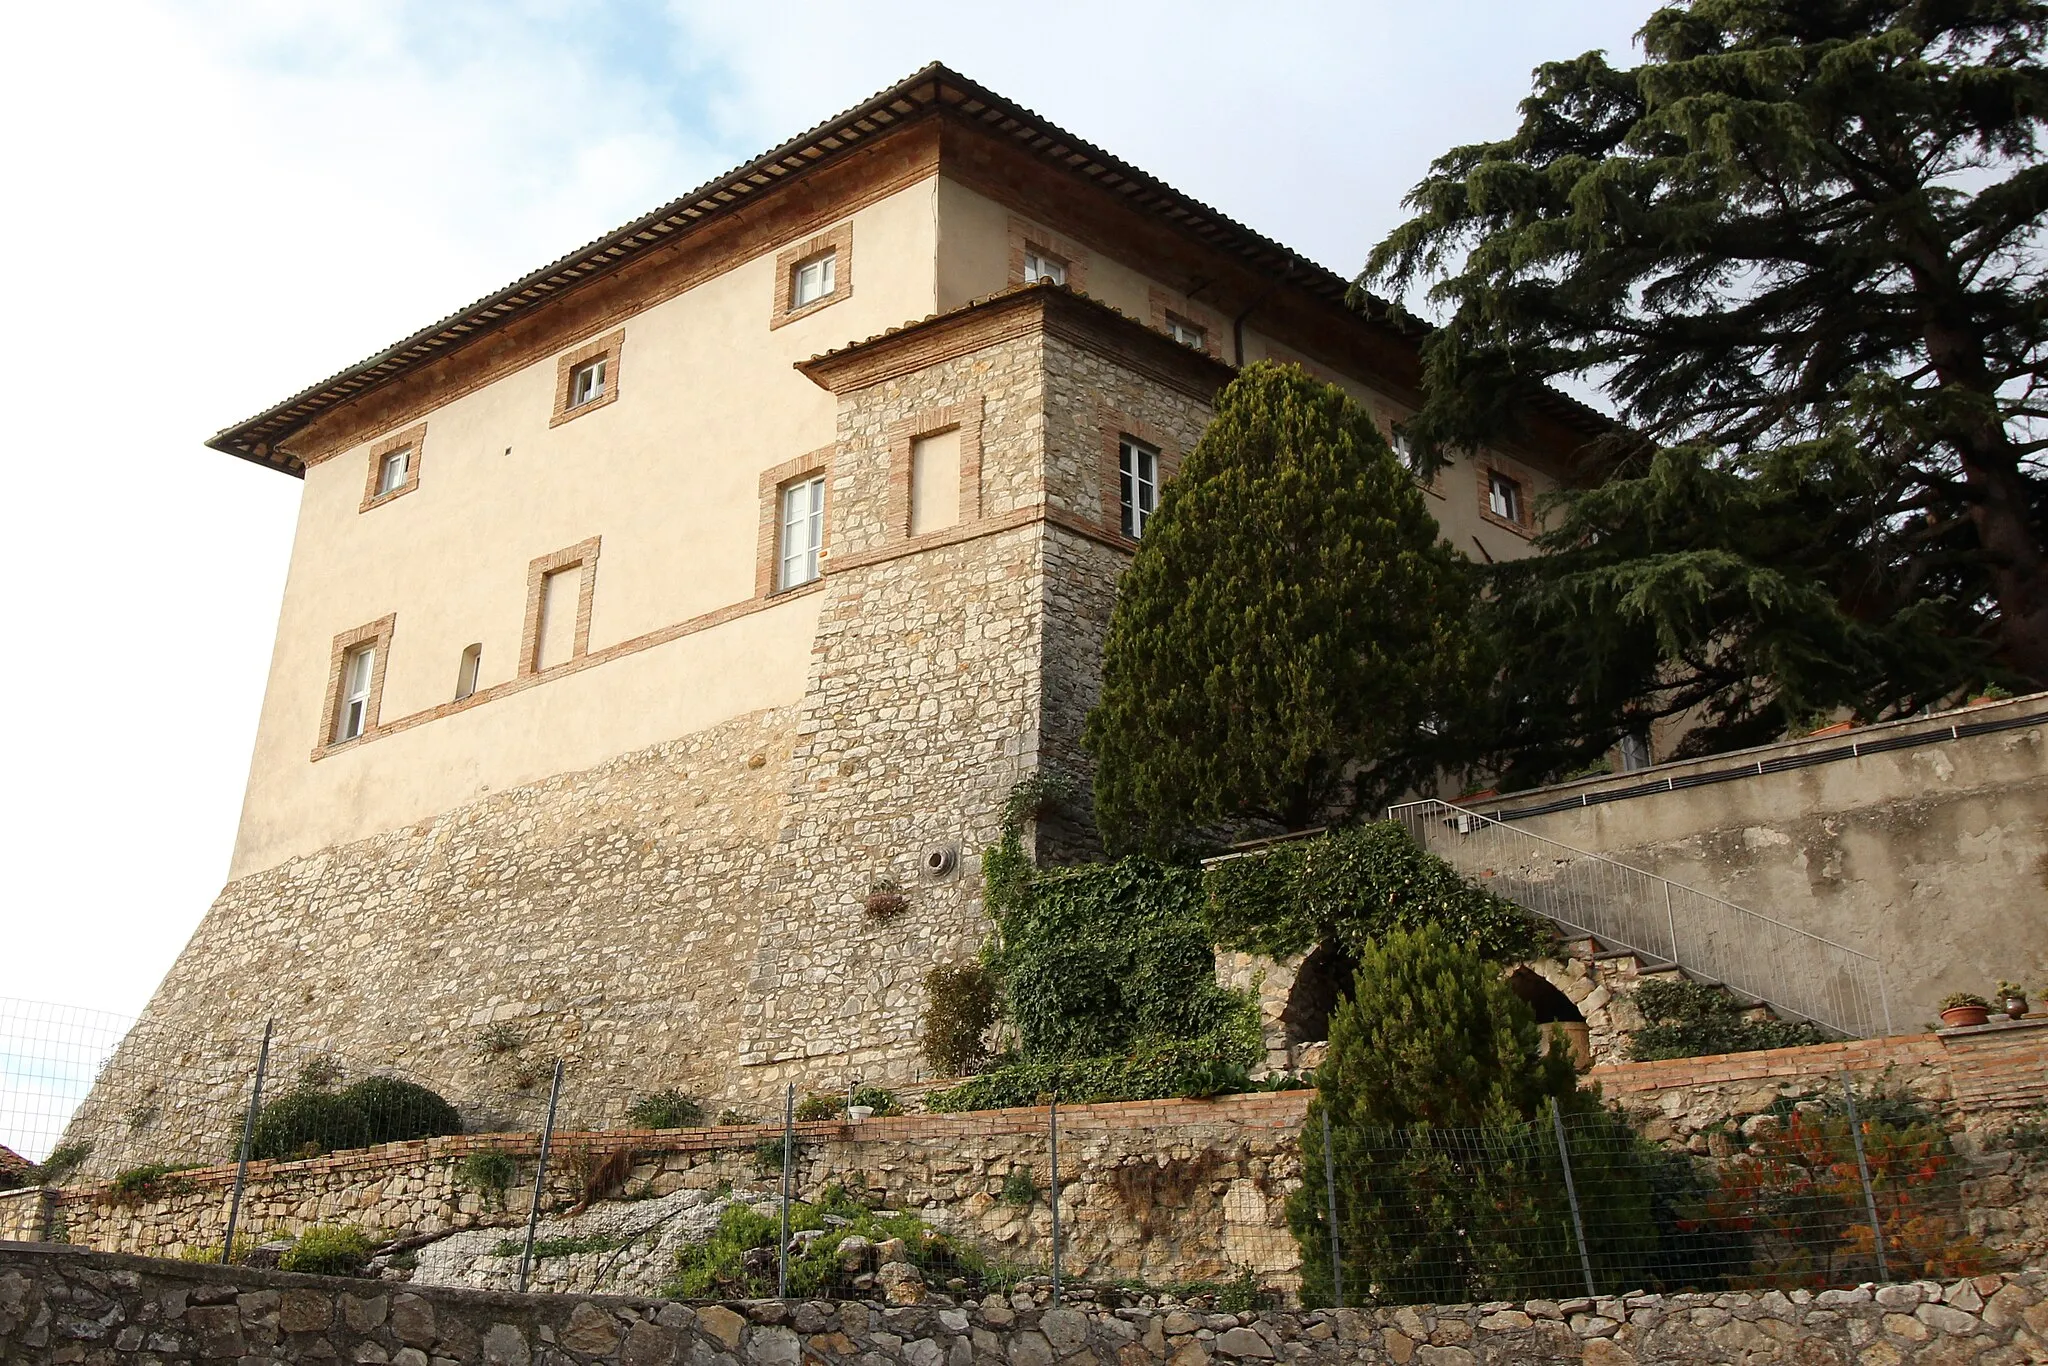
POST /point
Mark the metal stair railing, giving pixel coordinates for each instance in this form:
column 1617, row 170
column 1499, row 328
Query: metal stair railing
column 1799, row 975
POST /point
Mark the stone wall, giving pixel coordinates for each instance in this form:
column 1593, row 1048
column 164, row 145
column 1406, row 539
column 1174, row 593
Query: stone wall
column 1162, row 1191
column 692, row 915
column 1934, row 858
column 60, row 1307
column 1154, row 1190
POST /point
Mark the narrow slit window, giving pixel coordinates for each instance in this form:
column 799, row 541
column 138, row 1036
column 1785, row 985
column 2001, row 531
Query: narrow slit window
column 1040, row 265
column 352, row 715
column 1137, row 485
column 467, row 670
column 586, row 383
column 1504, row 497
column 803, row 532
column 391, row 470
column 814, row 280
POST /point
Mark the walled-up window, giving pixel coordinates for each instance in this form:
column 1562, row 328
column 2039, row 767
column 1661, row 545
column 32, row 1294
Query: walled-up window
column 556, row 639
column 935, row 482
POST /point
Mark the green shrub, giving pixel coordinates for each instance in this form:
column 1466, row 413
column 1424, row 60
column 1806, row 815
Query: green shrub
column 306, row 1122
column 1449, row 1186
column 669, row 1109
column 721, row 1269
column 880, row 1099
column 558, row 1247
column 1019, row 1188
column 1690, row 1020
column 820, row 1105
column 1351, row 887
column 1210, row 1066
column 960, row 1008
column 489, row 1171
column 327, row 1250
column 769, row 1154
column 151, row 1181
column 63, row 1163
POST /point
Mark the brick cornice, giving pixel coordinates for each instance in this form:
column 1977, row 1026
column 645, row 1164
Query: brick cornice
column 1027, row 310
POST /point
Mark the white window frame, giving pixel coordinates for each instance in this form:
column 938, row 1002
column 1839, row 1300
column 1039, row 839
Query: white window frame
column 1634, row 752
column 1187, row 333
column 801, row 514
column 392, row 469
column 587, row 381
column 1137, row 478
column 1504, row 496
column 813, row 281
column 352, row 709
column 468, row 670
column 1043, row 265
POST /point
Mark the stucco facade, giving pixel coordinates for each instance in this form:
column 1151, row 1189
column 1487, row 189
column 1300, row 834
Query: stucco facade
column 649, row 832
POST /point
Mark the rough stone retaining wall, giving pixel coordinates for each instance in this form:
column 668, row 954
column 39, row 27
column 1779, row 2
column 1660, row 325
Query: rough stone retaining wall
column 62, row 1306
column 1159, row 1190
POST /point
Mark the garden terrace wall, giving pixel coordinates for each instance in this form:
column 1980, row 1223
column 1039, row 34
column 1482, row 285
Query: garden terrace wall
column 1175, row 1190
column 1162, row 1190
column 63, row 1306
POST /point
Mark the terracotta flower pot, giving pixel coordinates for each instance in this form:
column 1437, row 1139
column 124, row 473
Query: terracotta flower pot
column 1962, row 1017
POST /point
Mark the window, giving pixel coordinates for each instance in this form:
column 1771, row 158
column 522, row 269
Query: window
column 1635, row 751
column 813, row 281
column 466, row 672
column 391, row 471
column 935, row 482
column 586, row 383
column 1137, row 484
column 352, row 714
column 1397, row 437
column 1504, row 497
column 812, row 274
column 803, row 532
column 1187, row 333
column 587, row 378
column 1041, row 265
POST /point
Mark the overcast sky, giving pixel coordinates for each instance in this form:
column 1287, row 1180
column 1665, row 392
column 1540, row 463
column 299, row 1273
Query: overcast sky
column 213, row 205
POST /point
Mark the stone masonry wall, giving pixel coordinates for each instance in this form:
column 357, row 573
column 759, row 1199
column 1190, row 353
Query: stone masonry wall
column 693, row 915
column 66, row 1308
column 1162, row 1191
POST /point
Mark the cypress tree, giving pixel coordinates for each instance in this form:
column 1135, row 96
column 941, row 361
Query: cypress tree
column 1449, row 1188
column 1288, row 631
column 1799, row 248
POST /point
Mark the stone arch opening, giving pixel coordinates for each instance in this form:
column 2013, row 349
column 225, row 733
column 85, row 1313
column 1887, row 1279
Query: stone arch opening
column 1550, row 1005
column 1324, row 976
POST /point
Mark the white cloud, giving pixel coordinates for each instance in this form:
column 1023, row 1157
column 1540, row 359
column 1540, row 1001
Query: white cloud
column 213, row 205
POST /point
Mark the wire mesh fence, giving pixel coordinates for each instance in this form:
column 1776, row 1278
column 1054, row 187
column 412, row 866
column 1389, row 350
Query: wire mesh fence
column 837, row 1194
column 1581, row 1205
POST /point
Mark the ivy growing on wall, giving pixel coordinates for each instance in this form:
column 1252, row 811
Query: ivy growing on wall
column 1350, row 887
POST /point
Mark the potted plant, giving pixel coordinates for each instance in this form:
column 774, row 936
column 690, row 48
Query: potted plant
column 2015, row 998
column 1963, row 1009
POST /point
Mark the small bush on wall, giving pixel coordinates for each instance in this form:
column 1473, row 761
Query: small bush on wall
column 306, row 1122
column 666, row 1109
column 960, row 1010
column 327, row 1250
column 1691, row 1020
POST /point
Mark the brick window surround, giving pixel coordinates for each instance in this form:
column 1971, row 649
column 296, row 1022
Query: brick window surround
column 1115, row 427
column 768, row 537
column 413, row 439
column 1027, row 237
column 1168, row 308
column 377, row 633
column 606, row 347
column 834, row 242
column 1489, row 465
column 903, row 436
column 582, row 555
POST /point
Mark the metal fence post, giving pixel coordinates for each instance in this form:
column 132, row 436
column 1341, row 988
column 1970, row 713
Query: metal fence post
column 1330, row 1189
column 1863, row 1173
column 1571, row 1191
column 1053, row 1119
column 227, row 1244
column 540, row 1175
column 788, row 1151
